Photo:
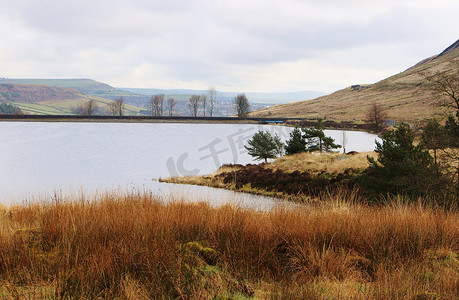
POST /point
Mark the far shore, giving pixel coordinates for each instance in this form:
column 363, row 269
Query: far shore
column 330, row 124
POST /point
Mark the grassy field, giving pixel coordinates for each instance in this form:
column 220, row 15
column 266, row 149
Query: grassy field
column 139, row 247
column 319, row 162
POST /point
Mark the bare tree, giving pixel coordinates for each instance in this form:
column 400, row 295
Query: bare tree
column 171, row 103
column 211, row 94
column 156, row 104
column 204, row 103
column 88, row 108
column 241, row 105
column 445, row 87
column 193, row 105
column 376, row 117
column 116, row 108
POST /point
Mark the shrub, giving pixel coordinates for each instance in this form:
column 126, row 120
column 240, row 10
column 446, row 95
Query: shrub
column 401, row 167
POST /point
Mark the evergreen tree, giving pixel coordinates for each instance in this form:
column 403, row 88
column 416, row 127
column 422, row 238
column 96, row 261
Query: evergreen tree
column 452, row 132
column 434, row 137
column 444, row 86
column 401, row 167
column 316, row 139
column 296, row 143
column 451, row 151
column 263, row 146
column 279, row 145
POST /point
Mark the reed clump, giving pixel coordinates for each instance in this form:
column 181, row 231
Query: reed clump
column 138, row 246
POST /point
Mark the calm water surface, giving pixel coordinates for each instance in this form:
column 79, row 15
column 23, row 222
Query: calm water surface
column 39, row 159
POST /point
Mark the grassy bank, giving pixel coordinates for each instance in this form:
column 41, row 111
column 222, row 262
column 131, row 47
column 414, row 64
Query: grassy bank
column 138, row 247
column 295, row 176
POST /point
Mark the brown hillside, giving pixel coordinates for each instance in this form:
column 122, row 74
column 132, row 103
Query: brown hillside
column 402, row 94
column 32, row 93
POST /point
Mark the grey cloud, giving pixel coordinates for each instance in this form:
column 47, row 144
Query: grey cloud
column 215, row 41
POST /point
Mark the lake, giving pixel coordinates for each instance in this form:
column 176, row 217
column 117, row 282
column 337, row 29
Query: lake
column 40, row 158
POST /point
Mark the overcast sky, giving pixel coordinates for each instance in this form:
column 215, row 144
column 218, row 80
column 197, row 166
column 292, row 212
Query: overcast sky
column 234, row 45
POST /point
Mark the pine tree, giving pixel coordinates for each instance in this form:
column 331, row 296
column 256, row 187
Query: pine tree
column 434, row 137
column 296, row 143
column 316, row 139
column 263, row 146
column 401, row 167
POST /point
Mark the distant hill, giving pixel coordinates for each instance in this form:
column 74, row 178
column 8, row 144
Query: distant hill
column 33, row 93
column 87, row 86
column 402, row 94
column 59, row 96
column 51, row 100
column 71, row 90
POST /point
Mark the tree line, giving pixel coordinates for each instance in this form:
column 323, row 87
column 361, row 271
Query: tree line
column 197, row 105
column 90, row 108
column 263, row 145
column 206, row 103
column 9, row 109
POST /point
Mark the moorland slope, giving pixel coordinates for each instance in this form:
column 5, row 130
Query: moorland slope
column 402, row 94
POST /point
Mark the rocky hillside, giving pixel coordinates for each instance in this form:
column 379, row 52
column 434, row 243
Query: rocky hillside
column 402, row 94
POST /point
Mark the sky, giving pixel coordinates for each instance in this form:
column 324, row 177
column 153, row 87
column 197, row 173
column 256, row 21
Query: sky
column 233, row 45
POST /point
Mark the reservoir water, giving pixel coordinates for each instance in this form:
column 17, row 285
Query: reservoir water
column 40, row 159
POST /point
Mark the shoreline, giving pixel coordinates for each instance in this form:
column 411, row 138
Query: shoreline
column 289, row 122
column 127, row 119
column 195, row 181
column 297, row 180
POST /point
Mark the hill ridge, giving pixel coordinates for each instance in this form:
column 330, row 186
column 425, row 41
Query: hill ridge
column 401, row 94
column 33, row 93
column 453, row 47
column 84, row 85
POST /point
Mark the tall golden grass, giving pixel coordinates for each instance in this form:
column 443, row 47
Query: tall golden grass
column 137, row 246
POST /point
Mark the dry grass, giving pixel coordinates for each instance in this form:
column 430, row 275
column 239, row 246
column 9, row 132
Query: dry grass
column 313, row 163
column 320, row 162
column 138, row 247
column 205, row 180
column 401, row 94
